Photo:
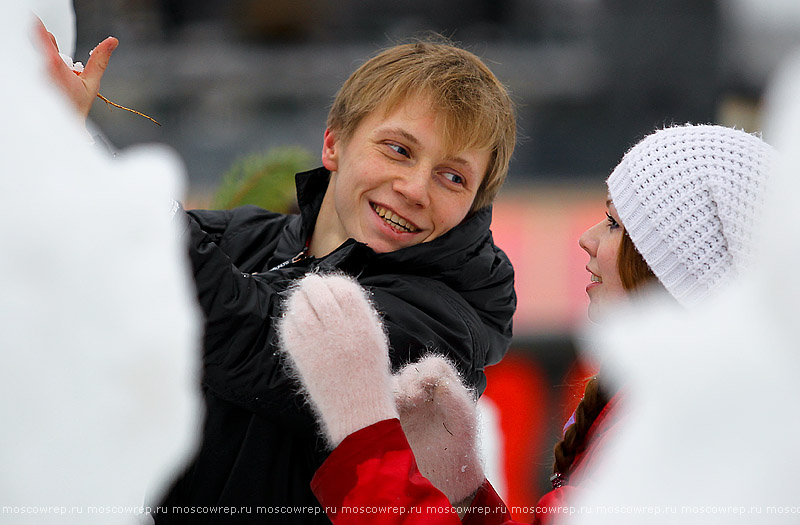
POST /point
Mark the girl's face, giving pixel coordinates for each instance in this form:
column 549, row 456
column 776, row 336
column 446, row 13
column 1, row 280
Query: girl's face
column 602, row 243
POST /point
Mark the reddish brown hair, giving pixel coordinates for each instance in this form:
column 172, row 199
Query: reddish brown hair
column 633, row 270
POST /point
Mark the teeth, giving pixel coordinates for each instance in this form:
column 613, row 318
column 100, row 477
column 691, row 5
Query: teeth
column 393, row 219
column 596, row 279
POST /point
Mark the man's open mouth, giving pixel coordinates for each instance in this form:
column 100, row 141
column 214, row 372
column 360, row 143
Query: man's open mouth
column 392, row 219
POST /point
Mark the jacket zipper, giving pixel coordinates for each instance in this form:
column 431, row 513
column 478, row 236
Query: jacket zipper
column 296, row 259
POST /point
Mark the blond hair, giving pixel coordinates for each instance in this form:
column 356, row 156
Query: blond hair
column 473, row 107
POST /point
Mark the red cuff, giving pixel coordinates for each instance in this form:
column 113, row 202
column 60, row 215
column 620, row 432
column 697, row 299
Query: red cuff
column 335, row 477
column 487, row 508
column 372, row 477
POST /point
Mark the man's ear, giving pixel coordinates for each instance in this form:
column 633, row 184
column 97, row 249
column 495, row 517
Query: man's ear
column 330, row 150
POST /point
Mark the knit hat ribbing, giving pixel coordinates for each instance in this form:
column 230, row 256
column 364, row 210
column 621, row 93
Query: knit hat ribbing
column 689, row 197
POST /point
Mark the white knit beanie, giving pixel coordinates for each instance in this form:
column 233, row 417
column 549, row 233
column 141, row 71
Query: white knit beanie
column 689, row 197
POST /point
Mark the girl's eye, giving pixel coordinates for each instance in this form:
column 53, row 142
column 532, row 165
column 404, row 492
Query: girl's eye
column 454, row 177
column 612, row 222
column 399, row 149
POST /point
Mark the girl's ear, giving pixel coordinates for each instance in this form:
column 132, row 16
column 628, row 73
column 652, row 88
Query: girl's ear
column 330, row 150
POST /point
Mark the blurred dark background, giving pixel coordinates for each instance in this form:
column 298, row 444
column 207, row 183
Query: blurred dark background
column 229, row 77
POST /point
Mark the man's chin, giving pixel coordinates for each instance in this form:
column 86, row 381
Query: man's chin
column 382, row 246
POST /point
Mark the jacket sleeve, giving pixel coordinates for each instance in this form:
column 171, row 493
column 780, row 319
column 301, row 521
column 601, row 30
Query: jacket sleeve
column 372, row 477
column 238, row 361
column 229, row 296
column 554, row 506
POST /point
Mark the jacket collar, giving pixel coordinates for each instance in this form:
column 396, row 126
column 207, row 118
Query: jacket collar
column 311, row 186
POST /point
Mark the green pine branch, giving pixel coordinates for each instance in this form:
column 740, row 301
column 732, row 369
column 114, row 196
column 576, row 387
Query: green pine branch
column 263, row 179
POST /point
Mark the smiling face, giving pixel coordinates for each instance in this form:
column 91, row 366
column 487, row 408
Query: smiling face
column 602, row 242
column 393, row 183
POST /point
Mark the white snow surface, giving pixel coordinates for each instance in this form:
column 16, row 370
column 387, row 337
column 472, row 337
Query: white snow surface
column 99, row 331
column 711, row 431
column 59, row 18
column 491, row 441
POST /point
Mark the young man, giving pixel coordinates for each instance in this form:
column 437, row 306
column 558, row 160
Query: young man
column 417, row 145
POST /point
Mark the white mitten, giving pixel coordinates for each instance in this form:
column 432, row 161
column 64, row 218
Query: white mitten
column 440, row 419
column 335, row 343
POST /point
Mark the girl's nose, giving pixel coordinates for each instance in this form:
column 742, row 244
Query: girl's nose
column 588, row 240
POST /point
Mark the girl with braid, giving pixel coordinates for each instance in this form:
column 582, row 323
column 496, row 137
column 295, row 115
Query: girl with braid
column 631, row 276
column 682, row 209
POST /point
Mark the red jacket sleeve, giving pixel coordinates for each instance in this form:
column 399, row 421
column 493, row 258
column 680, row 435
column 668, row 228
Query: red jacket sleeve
column 553, row 506
column 372, row 477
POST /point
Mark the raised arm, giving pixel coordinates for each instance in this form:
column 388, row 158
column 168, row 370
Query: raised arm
column 81, row 90
column 334, row 341
column 337, row 347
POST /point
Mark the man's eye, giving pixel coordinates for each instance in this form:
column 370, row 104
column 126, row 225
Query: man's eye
column 454, row 177
column 399, row 149
column 612, row 222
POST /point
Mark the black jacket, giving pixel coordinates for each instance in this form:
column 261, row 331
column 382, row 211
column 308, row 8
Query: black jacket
column 454, row 295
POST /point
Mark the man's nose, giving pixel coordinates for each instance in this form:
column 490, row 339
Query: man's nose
column 414, row 185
